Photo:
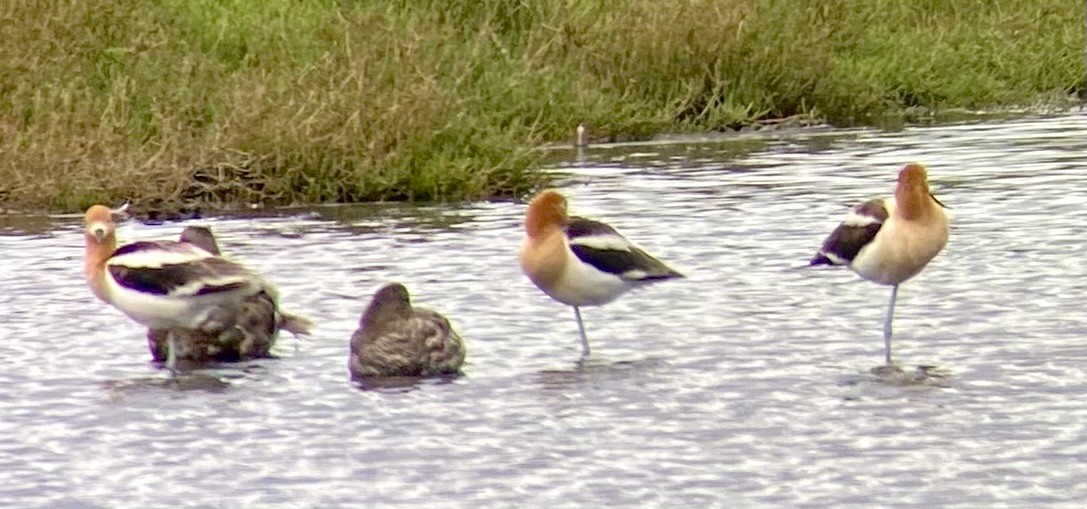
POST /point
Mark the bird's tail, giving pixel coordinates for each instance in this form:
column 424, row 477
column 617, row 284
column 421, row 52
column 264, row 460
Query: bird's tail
column 821, row 259
column 817, row 260
column 295, row 324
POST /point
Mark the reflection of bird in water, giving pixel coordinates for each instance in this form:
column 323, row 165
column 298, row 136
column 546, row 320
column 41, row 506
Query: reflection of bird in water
column 890, row 240
column 187, row 294
column 395, row 338
column 581, row 142
column 581, row 262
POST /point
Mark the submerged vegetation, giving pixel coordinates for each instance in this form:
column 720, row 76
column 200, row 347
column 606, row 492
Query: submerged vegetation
column 228, row 102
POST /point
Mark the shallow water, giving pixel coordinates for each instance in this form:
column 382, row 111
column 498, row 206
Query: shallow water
column 747, row 384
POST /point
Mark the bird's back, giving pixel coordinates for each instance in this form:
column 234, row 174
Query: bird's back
column 420, row 345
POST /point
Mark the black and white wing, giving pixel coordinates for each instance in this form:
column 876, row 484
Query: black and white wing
column 600, row 246
column 176, row 269
column 858, row 229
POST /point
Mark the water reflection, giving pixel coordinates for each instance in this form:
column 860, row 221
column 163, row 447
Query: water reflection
column 595, row 370
column 396, row 384
column 117, row 390
column 916, row 376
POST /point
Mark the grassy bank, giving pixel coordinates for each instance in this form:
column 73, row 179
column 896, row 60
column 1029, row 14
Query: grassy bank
column 224, row 102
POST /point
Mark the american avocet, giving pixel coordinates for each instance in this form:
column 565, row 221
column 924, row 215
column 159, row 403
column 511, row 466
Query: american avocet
column 396, row 339
column 889, row 240
column 172, row 286
column 254, row 331
column 581, row 262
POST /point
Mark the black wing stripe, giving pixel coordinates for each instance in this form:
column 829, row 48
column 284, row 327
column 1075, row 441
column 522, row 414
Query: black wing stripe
column 611, row 261
column 607, row 260
column 843, row 244
column 168, row 278
column 582, row 227
column 631, row 263
column 213, row 289
column 155, row 281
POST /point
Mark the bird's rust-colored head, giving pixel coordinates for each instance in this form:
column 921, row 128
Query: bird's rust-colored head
column 101, row 238
column 913, row 174
column 99, row 225
column 545, row 212
column 913, row 197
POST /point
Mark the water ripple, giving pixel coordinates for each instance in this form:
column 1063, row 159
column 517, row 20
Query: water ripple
column 747, row 384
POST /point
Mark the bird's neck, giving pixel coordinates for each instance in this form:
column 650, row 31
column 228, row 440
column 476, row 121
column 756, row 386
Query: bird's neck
column 542, row 221
column 914, row 203
column 95, row 263
column 544, row 257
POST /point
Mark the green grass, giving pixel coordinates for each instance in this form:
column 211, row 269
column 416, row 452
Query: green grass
column 221, row 103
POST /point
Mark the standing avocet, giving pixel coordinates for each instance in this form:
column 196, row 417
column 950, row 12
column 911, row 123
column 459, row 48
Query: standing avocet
column 395, row 338
column 889, row 240
column 173, row 286
column 254, row 331
column 581, row 262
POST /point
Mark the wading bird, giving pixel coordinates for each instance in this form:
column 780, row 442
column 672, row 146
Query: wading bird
column 890, row 240
column 581, row 262
column 396, row 339
column 172, row 286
